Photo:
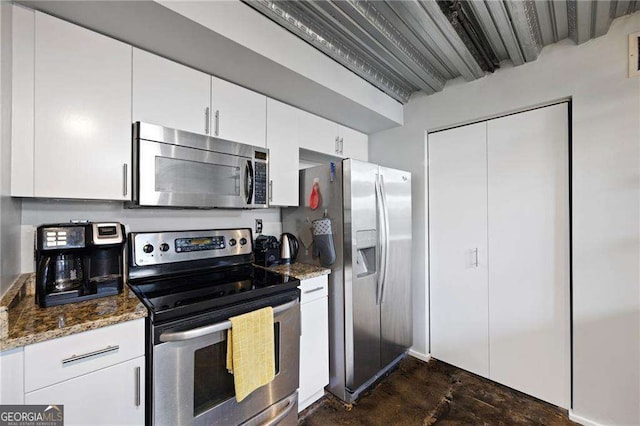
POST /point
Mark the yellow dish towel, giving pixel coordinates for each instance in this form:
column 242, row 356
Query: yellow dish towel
column 250, row 351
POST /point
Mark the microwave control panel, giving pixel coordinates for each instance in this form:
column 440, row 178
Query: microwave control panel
column 260, row 192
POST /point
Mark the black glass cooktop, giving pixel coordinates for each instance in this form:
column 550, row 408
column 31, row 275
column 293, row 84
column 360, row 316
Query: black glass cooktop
column 186, row 294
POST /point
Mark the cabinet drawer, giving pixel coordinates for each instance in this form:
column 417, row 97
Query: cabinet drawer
column 313, row 288
column 61, row 359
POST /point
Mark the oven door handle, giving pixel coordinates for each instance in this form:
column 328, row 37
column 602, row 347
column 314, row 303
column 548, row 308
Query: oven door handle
column 177, row 336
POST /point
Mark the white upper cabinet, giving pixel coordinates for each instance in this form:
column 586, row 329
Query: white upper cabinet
column 318, row 134
column 82, row 113
column 169, row 94
column 282, row 142
column 353, row 144
column 22, row 102
column 238, row 114
column 321, row 135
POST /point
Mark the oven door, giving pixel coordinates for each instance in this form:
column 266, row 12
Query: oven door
column 178, row 176
column 191, row 385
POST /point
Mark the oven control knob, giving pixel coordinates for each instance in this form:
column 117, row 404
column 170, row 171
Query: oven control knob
column 164, row 247
column 243, row 241
column 147, row 248
column 232, row 242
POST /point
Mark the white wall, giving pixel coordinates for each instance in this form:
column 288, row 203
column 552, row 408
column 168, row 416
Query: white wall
column 606, row 199
column 9, row 208
column 37, row 212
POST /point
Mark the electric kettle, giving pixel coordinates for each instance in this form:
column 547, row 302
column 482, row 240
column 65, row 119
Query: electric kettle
column 288, row 248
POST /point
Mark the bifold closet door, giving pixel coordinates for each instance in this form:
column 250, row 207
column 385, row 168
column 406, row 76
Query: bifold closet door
column 458, row 241
column 528, row 204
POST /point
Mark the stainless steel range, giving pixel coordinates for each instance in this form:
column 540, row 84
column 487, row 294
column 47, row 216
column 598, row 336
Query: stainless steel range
column 192, row 282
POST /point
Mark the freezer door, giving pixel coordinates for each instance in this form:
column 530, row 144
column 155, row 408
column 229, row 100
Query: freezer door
column 396, row 312
column 362, row 311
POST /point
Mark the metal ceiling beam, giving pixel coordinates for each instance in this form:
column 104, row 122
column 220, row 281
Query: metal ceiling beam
column 370, row 28
column 482, row 14
column 429, row 20
column 546, row 22
column 503, row 23
column 401, row 46
column 525, row 23
column 320, row 37
column 430, row 52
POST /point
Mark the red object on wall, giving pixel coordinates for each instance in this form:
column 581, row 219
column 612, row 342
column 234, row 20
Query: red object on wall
column 314, row 197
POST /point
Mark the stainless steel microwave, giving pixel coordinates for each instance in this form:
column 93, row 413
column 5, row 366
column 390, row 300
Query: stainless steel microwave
column 174, row 168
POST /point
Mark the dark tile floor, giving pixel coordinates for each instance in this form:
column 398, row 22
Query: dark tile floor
column 419, row 393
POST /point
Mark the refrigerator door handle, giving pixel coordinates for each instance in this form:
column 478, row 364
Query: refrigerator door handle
column 380, row 214
column 385, row 215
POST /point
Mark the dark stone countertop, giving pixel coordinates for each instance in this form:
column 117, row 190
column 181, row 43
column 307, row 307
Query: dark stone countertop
column 23, row 322
column 301, row 271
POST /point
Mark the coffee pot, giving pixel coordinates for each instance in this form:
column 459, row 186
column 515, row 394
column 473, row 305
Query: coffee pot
column 68, row 273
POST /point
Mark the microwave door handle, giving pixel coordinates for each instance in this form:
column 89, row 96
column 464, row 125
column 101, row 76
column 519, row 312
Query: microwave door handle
column 177, row 336
column 248, row 183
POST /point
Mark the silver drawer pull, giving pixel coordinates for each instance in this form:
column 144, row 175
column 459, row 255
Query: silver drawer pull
column 314, row 290
column 137, row 390
column 76, row 358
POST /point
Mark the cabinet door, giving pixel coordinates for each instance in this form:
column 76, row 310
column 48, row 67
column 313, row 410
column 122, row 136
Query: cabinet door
column 314, row 350
column 82, row 113
column 111, row 396
column 169, row 94
column 353, row 144
column 238, row 114
column 282, row 141
column 12, row 376
column 318, row 134
column 458, row 241
column 22, row 97
column 529, row 252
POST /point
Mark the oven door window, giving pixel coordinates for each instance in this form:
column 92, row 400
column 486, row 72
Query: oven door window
column 212, row 383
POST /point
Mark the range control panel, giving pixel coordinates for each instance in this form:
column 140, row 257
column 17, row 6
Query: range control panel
column 153, row 248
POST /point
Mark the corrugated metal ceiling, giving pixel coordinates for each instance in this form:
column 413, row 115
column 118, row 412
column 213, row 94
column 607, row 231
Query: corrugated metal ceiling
column 405, row 46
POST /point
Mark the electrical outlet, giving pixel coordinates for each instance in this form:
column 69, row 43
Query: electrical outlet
column 258, row 226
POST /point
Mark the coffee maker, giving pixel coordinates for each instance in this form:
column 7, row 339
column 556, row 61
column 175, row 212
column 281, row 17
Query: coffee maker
column 78, row 261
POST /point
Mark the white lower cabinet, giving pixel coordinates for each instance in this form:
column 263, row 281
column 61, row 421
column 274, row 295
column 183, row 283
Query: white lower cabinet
column 110, row 396
column 97, row 375
column 314, row 340
column 12, row 376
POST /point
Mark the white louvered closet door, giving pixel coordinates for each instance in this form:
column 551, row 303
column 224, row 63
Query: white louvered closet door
column 457, row 246
column 528, row 193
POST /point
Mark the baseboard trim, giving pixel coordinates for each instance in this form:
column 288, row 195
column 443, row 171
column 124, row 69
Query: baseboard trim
column 419, row 355
column 582, row 420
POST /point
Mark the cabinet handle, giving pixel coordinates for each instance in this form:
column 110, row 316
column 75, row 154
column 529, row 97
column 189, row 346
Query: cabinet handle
column 206, row 121
column 217, row 123
column 137, row 381
column 341, row 146
column 125, row 178
column 270, row 190
column 476, row 253
column 76, row 358
column 314, row 290
column 337, row 145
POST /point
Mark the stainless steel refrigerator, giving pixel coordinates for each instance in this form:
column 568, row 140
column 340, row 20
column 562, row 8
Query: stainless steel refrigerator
column 370, row 315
